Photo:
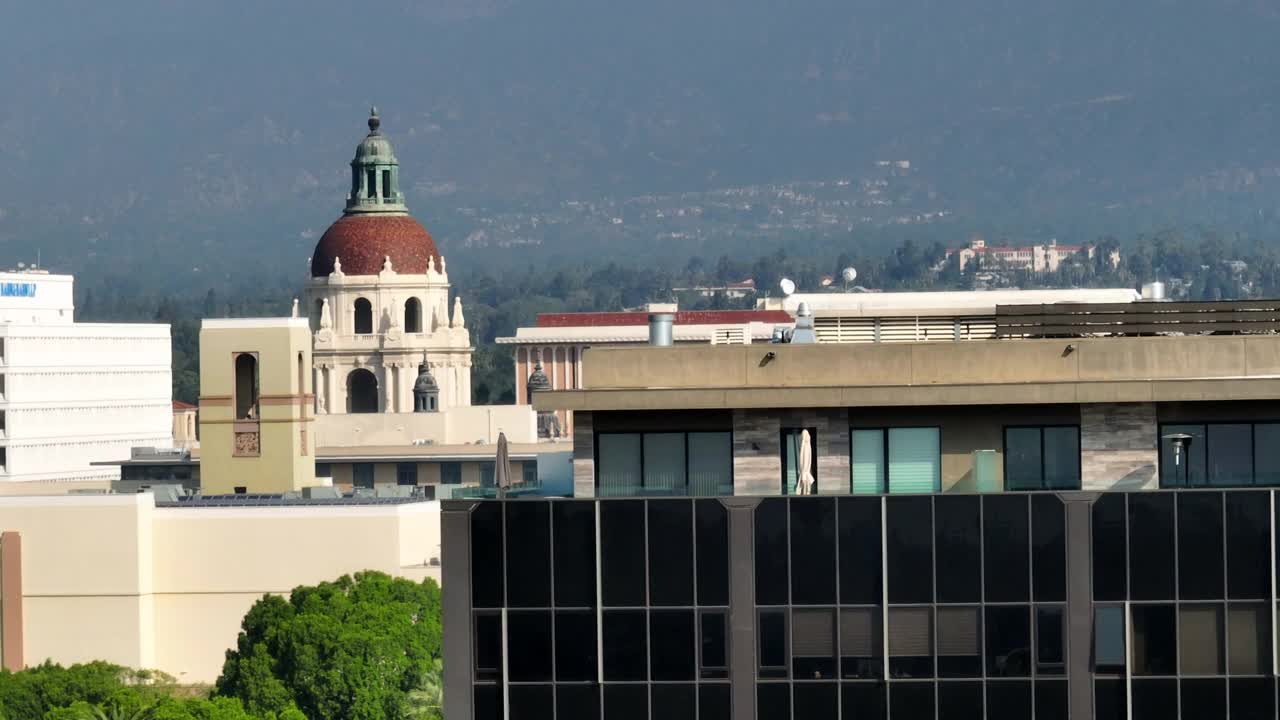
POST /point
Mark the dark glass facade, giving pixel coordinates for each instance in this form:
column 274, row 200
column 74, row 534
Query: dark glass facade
column 1040, row 606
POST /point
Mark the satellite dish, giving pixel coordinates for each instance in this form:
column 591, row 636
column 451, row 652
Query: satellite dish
column 849, row 274
column 788, row 287
column 21, row 265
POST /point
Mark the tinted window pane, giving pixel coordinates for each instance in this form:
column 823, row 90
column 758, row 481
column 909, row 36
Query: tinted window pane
column 813, row 643
column 773, row 643
column 1248, row 640
column 675, row 702
column 1200, row 639
column 910, row 642
column 866, row 466
column 1204, row 699
column 712, row 522
column 959, row 700
column 713, row 642
column 713, row 701
column 617, row 464
column 1051, row 699
column 915, row 461
column 1109, row 700
column 530, row 702
column 488, row 699
column 622, row 552
column 1108, row 640
column 773, row 700
column 1007, row 545
column 911, row 700
column 576, row 646
column 1176, row 470
column 1151, row 557
column 1230, row 458
column 1109, row 553
column 816, row 700
column 1248, row 545
column 488, row 647
column 670, row 557
column 1200, row 546
column 1008, row 700
column 673, row 644
column 813, row 551
column 1048, row 549
column 859, row 536
column 1155, row 699
column 863, row 701
column 578, row 702
column 1252, row 698
column 626, row 702
column 529, row 646
column 1008, row 631
column 1023, row 462
column 710, row 463
column 910, row 549
column 624, row 645
column 771, row 552
column 1154, row 646
column 574, row 526
column 529, row 554
column 1050, row 657
column 1266, row 454
column 486, row 555
column 957, row 523
column 959, row 642
column 861, row 643
column 1062, row 458
column 664, row 464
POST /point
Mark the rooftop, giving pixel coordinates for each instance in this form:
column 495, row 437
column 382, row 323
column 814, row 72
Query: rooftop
column 948, row 303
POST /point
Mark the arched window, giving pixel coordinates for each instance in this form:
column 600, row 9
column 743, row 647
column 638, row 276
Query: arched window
column 364, row 317
column 317, row 308
column 246, row 386
column 413, row 315
column 362, row 391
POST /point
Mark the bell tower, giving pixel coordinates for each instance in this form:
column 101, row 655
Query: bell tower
column 375, row 174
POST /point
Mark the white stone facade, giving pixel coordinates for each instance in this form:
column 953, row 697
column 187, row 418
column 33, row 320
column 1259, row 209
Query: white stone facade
column 398, row 341
column 72, row 394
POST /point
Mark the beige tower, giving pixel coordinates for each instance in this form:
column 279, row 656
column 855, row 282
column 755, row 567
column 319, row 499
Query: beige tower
column 255, row 400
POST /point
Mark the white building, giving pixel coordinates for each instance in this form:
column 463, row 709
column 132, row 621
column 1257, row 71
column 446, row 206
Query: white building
column 75, row 393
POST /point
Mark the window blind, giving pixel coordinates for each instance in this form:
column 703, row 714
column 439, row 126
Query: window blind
column 619, row 467
column 710, row 463
column 860, row 634
column 813, row 633
column 867, row 463
column 915, row 463
column 664, row 462
column 958, row 631
column 910, row 632
column 1200, row 638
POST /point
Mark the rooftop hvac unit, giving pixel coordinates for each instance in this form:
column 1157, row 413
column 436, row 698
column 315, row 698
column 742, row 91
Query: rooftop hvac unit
column 733, row 335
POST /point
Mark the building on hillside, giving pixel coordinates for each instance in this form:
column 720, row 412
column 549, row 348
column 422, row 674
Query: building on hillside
column 729, row 291
column 74, row 393
column 559, row 340
column 1075, row 520
column 931, row 316
column 1036, row 258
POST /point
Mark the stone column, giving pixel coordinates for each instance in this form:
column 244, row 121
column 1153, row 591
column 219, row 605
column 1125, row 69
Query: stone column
column 742, row 606
column 388, row 388
column 329, row 399
column 1118, row 446
column 584, row 456
column 455, row 562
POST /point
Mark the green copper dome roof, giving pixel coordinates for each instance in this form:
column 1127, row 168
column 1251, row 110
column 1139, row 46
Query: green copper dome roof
column 375, row 174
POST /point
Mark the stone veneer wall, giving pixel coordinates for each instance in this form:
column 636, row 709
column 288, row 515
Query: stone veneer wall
column 584, row 455
column 1118, row 446
column 757, row 449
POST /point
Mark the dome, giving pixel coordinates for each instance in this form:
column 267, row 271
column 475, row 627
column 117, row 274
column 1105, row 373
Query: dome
column 425, row 382
column 362, row 241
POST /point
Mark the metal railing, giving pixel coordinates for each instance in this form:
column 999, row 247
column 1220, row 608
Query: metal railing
column 1226, row 317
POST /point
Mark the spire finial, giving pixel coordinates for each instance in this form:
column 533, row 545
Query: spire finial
column 374, row 122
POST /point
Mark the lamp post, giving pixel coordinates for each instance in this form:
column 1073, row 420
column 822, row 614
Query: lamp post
column 1181, row 447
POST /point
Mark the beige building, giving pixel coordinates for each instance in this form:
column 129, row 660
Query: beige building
column 1043, row 258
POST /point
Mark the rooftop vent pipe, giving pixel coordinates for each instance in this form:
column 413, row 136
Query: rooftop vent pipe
column 660, row 329
column 1153, row 291
column 804, row 333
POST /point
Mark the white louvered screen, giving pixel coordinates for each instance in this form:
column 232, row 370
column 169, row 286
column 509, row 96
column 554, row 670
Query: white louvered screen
column 730, row 335
column 977, row 328
column 845, row 329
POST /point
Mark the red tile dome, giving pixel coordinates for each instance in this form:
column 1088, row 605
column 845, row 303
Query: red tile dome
column 362, row 241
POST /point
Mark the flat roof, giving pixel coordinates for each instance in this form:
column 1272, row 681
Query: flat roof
column 249, row 323
column 942, row 302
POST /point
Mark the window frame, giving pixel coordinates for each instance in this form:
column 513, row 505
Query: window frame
column 1207, row 483
column 885, row 430
column 640, row 491
column 784, row 435
column 402, row 469
column 1004, row 450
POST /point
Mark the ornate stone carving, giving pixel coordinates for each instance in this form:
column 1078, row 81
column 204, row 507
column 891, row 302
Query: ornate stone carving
column 246, row 444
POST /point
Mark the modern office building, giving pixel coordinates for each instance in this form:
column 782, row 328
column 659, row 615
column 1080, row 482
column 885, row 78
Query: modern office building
column 1075, row 520
column 74, row 393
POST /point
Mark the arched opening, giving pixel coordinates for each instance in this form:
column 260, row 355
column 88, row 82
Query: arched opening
column 362, row 391
column 246, row 386
column 364, row 317
column 413, row 315
column 317, row 308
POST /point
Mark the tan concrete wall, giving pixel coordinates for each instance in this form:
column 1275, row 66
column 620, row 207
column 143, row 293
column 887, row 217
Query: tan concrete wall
column 384, row 473
column 459, row 425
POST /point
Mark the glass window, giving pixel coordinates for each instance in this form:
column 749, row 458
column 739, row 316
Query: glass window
column 1042, row 458
column 1204, row 698
column 675, row 701
column 1062, row 458
column 1185, row 468
column 773, row 643
column 1048, row 549
column 528, row 554
column 1008, row 700
column 1200, row 546
column 622, row 552
column 816, row 700
column 915, row 460
column 362, row 475
column 1109, row 556
column 529, row 645
column 1110, row 699
column 626, row 702
column 1248, row 545
column 450, row 473
column 529, row 472
column 578, row 701
column 670, row 557
column 910, row 642
column 575, row 646
column 861, row 643
column 912, row 700
column 486, row 556
column 1051, row 699
column 866, row 464
column 1151, row 543
column 860, row 566
column 910, row 549
column 863, row 701
column 773, row 700
column 710, row 463
column 1008, row 632
column 1050, row 641
column 959, row 642
column 406, row 473
column 771, row 552
column 488, row 650
column 1155, row 699
column 1023, row 460
column 625, row 645
column 1252, row 698
column 486, row 474
column 1230, row 456
column 1200, row 639
column 488, row 703
column 574, row 552
column 958, row 542
column 712, row 530
column 714, row 645
column 664, row 463
column 813, row 639
column 713, row 701
column 791, row 467
column 1007, row 546
column 1266, row 454
column 530, row 702
column 1108, row 640
column 1248, row 640
column 673, row 644
column 813, row 551
column 1154, row 645
column 617, row 463
column 959, row 700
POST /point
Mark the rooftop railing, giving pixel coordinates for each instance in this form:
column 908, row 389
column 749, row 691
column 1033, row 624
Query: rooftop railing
column 1226, row 317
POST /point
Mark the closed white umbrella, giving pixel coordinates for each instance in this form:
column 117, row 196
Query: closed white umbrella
column 804, row 481
column 502, row 466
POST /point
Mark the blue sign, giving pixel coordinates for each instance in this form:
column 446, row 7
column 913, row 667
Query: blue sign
column 17, row 289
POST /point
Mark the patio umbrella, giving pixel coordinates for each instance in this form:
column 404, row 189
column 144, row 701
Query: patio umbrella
column 804, row 481
column 502, row 466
